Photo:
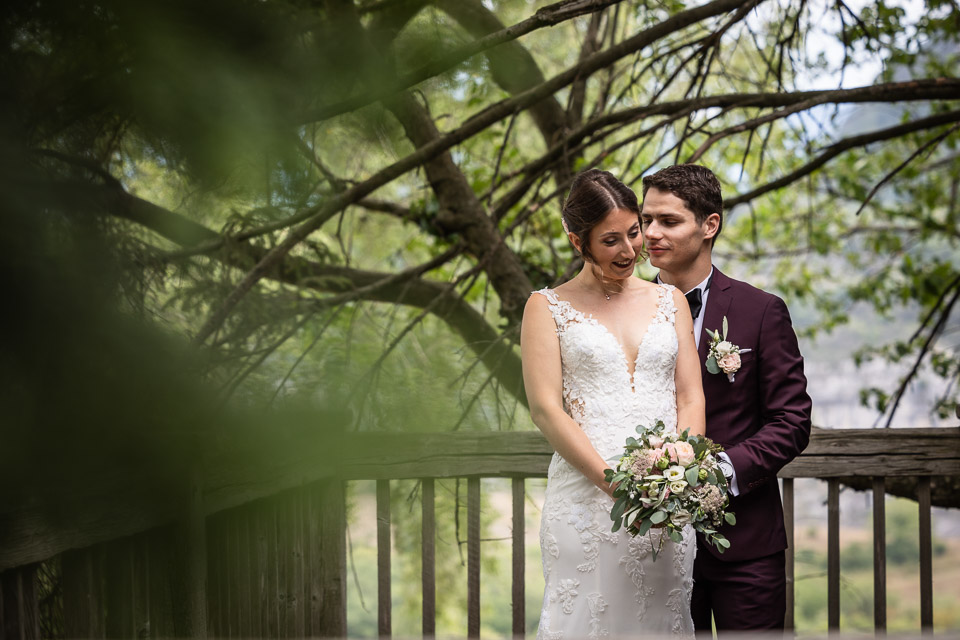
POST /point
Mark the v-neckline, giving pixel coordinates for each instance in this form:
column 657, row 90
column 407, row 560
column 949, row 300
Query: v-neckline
column 631, row 375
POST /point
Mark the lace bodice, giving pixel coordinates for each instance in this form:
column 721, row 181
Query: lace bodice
column 598, row 390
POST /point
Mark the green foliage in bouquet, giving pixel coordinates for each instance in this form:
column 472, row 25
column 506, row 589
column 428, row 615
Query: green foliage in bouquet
column 667, row 480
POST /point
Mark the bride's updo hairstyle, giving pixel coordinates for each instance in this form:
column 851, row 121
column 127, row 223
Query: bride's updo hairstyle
column 594, row 194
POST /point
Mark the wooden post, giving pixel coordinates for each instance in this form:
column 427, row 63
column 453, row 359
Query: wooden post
column 428, row 557
column 473, row 557
column 160, row 596
column 926, row 556
column 19, row 615
column 118, row 571
column 833, row 555
column 519, row 560
column 879, row 556
column 189, row 571
column 82, row 594
column 331, row 563
column 789, row 563
column 384, row 626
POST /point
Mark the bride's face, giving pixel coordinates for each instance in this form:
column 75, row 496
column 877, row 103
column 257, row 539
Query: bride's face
column 614, row 244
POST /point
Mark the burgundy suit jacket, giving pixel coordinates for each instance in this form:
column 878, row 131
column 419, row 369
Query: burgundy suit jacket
column 762, row 418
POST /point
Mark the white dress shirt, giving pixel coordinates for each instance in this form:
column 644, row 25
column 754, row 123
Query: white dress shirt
column 697, row 332
column 704, row 292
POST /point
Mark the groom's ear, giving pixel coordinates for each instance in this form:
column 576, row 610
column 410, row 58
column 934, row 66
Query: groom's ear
column 711, row 226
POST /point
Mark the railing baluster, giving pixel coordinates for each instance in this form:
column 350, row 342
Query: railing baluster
column 519, row 551
column 833, row 555
column 473, row 557
column 428, row 556
column 383, row 558
column 879, row 556
column 926, row 556
column 788, row 523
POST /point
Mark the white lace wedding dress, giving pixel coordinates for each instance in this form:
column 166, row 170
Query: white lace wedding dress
column 602, row 584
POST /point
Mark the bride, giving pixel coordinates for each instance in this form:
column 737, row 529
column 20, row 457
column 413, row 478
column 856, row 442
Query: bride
column 602, row 354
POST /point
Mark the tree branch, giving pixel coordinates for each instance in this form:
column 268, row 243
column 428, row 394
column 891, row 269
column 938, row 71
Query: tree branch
column 483, row 339
column 934, row 332
column 845, row 145
column 900, row 167
column 545, row 17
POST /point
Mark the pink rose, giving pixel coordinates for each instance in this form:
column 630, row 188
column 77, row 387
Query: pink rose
column 729, row 363
column 685, row 454
column 672, row 450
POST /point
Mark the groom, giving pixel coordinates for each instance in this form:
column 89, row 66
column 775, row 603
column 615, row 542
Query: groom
column 760, row 413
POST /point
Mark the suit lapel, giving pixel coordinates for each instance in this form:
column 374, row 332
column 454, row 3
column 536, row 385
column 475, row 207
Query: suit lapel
column 718, row 302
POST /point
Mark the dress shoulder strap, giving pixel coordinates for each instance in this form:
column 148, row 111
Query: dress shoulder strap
column 666, row 309
column 561, row 310
column 550, row 295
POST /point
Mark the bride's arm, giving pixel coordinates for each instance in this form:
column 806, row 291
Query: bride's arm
column 543, row 380
column 690, row 403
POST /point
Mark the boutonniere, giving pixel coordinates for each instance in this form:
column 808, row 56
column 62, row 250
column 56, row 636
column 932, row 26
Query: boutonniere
column 723, row 356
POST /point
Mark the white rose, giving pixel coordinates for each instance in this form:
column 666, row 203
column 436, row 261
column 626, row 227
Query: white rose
column 673, row 473
column 681, row 518
column 724, row 348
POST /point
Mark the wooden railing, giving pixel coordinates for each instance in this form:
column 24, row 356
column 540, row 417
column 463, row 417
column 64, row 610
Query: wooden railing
column 271, row 531
column 831, row 455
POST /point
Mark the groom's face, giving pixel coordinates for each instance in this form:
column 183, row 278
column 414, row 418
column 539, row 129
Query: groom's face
column 673, row 237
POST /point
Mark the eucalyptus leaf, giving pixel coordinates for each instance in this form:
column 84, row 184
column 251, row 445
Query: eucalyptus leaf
column 644, row 527
column 712, row 366
column 618, row 508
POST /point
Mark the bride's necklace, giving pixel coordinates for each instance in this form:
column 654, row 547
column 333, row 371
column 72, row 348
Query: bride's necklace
column 603, row 289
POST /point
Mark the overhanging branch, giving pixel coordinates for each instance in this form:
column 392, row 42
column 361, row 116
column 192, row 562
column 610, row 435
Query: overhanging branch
column 846, row 144
column 411, row 290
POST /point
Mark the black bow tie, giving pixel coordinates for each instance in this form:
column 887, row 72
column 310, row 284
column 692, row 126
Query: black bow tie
column 695, row 299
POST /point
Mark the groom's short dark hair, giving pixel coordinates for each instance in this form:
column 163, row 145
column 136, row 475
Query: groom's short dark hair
column 694, row 184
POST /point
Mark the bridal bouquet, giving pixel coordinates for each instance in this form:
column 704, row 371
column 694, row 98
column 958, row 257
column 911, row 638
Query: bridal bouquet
column 670, row 480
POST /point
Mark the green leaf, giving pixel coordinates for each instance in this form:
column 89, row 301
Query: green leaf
column 675, row 536
column 725, row 327
column 618, row 508
column 644, row 527
column 730, row 518
column 691, row 475
column 712, row 365
column 658, row 517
